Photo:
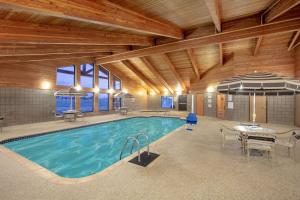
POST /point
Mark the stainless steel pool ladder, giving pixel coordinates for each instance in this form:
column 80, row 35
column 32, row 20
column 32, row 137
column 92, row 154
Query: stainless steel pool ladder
column 136, row 142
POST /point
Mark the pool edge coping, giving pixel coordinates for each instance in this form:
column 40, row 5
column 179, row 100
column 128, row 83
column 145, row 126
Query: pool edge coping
column 54, row 178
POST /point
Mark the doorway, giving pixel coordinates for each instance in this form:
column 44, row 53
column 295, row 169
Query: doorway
column 200, row 105
column 182, row 102
column 260, row 109
column 221, row 106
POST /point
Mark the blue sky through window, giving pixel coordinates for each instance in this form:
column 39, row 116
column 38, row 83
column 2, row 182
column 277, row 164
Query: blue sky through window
column 87, row 75
column 65, row 76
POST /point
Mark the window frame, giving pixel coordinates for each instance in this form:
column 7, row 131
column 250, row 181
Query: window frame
column 161, row 102
column 108, row 104
column 93, row 107
column 74, row 74
column 99, row 78
column 73, row 103
column 114, row 86
column 93, row 77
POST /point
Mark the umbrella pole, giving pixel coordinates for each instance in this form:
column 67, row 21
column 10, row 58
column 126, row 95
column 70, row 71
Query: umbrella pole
column 254, row 114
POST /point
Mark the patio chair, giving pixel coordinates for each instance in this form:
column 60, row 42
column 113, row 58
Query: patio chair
column 228, row 134
column 57, row 115
column 291, row 142
column 80, row 115
column 260, row 145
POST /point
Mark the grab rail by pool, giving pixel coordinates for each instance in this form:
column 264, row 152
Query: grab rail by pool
column 135, row 140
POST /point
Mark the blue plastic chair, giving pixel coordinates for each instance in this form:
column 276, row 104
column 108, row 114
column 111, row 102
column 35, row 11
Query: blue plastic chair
column 191, row 120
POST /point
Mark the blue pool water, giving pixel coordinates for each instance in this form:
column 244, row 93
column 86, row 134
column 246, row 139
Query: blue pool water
column 87, row 150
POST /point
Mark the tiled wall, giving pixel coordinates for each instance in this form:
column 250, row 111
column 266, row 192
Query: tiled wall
column 212, row 110
column 20, row 105
column 240, row 111
column 281, row 109
column 138, row 103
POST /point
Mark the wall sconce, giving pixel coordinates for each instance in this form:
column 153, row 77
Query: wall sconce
column 125, row 91
column 152, row 93
column 96, row 89
column 46, row 85
column 110, row 91
column 78, row 88
column 210, row 89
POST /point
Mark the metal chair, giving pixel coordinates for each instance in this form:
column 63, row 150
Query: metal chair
column 80, row 115
column 291, row 142
column 228, row 134
column 261, row 145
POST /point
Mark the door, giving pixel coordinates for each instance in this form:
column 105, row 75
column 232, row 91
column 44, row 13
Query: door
column 260, row 109
column 221, row 106
column 200, row 105
column 182, row 103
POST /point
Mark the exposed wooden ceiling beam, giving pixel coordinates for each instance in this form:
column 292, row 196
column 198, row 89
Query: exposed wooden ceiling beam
column 100, row 12
column 21, row 59
column 245, row 33
column 294, row 40
column 21, row 32
column 157, row 74
column 174, row 71
column 37, row 49
column 141, row 76
column 194, row 62
column 215, row 12
column 257, row 45
column 280, row 8
column 221, row 59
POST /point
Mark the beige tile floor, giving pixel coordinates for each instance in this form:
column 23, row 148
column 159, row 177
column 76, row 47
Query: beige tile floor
column 192, row 165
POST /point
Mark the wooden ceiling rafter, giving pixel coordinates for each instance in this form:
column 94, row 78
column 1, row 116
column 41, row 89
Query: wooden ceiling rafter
column 41, row 49
column 24, row 32
column 192, row 57
column 140, row 75
column 295, row 40
column 279, row 8
column 258, row 42
column 223, row 37
column 101, row 13
column 36, row 58
column 156, row 73
column 214, row 7
column 174, row 71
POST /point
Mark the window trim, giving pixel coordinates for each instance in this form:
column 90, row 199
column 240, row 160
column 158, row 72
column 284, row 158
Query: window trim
column 108, row 78
column 99, row 94
column 121, row 84
column 74, row 80
column 93, row 107
column 161, row 102
column 93, row 82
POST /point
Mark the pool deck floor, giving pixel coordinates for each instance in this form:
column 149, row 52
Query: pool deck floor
column 192, row 165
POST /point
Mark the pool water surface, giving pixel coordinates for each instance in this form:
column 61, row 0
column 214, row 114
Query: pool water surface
column 84, row 151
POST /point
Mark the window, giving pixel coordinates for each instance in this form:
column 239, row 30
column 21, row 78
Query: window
column 65, row 76
column 166, row 102
column 117, row 83
column 87, row 75
column 117, row 103
column 87, row 102
column 63, row 103
column 103, row 102
column 103, row 78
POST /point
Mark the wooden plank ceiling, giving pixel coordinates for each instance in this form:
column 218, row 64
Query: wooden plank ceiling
column 164, row 46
